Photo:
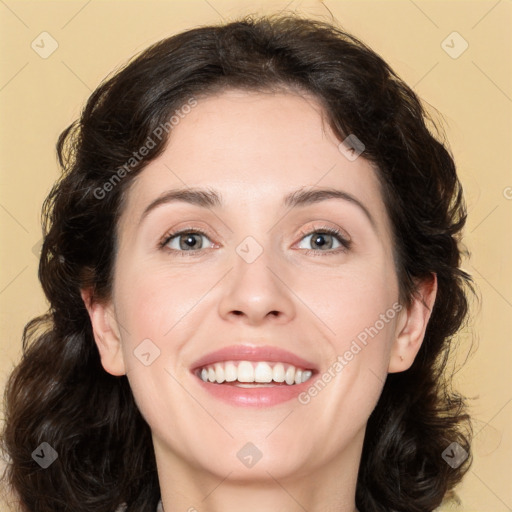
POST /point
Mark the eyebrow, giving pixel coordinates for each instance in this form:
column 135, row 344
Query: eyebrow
column 209, row 198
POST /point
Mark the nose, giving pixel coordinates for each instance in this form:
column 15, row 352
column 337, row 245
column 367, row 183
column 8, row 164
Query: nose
column 257, row 292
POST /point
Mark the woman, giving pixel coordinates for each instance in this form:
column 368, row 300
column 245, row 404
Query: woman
column 252, row 261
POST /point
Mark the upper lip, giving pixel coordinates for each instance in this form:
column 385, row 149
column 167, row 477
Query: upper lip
column 253, row 353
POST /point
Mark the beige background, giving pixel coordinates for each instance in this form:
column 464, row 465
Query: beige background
column 40, row 96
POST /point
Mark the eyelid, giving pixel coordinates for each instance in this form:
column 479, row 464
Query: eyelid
column 342, row 236
column 172, row 233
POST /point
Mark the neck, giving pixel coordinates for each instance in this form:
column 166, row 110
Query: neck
column 327, row 488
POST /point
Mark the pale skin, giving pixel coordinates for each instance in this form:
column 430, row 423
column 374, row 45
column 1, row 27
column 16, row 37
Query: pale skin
column 253, row 149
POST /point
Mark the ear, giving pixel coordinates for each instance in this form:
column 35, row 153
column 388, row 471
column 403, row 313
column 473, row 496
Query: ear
column 106, row 333
column 412, row 326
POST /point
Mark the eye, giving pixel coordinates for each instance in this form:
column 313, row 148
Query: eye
column 184, row 241
column 323, row 240
column 329, row 240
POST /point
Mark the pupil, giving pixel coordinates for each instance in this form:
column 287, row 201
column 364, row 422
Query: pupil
column 322, row 240
column 190, row 240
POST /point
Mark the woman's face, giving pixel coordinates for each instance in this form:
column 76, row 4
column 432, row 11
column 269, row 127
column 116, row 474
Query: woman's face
column 255, row 267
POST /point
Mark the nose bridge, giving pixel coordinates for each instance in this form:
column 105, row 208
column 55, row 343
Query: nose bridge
column 255, row 287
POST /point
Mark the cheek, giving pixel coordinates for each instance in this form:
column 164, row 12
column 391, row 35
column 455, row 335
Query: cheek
column 150, row 303
column 359, row 312
column 339, row 308
column 153, row 309
column 357, row 303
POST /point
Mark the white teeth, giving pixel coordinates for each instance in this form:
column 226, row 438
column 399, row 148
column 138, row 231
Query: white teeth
column 254, row 374
column 278, row 373
column 306, row 375
column 230, row 372
column 245, row 372
column 219, row 373
column 290, row 375
column 263, row 373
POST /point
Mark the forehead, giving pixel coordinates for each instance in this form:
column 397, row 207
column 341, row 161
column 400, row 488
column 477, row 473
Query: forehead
column 255, row 148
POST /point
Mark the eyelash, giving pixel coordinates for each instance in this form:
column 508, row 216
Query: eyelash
column 345, row 243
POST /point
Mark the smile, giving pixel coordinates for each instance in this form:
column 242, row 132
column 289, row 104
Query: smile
column 253, row 375
column 257, row 373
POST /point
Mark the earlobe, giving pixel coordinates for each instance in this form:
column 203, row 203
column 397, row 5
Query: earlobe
column 412, row 326
column 106, row 334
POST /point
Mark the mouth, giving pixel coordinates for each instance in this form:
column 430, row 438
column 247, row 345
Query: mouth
column 246, row 375
column 253, row 374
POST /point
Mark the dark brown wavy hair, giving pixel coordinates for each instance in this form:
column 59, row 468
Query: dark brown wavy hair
column 60, row 394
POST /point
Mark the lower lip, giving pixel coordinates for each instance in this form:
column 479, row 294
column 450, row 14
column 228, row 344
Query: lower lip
column 255, row 397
